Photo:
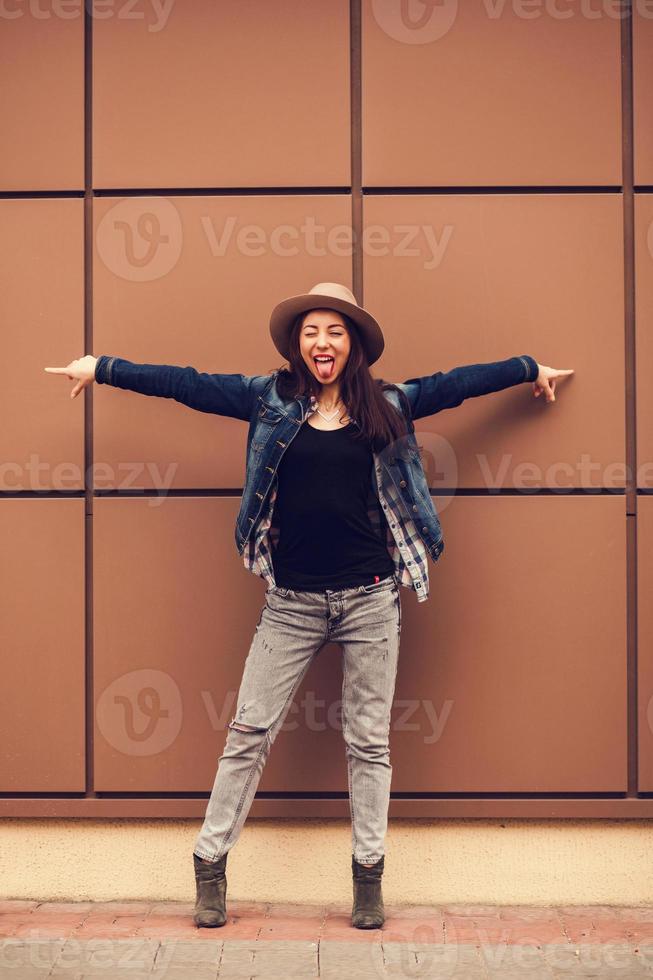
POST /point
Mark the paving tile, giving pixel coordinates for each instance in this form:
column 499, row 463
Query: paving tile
column 291, row 926
column 121, row 908
column 338, row 928
column 588, row 911
column 240, row 908
column 578, row 929
column 524, row 960
column 431, row 961
column 103, row 957
column 253, row 959
column 535, row 974
column 25, row 974
column 241, row 928
column 351, row 960
column 459, row 929
column 179, row 960
column 471, row 910
column 639, row 931
column 10, row 922
column 44, row 931
column 175, row 951
column 296, row 910
column 110, row 927
column 529, row 913
column 413, row 930
column 616, row 960
column 181, row 972
column 645, row 954
column 80, row 907
column 18, row 956
column 172, row 908
column 526, row 934
column 403, row 911
column 643, row 913
column 17, row 905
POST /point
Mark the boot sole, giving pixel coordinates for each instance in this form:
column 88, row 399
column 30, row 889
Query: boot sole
column 208, row 925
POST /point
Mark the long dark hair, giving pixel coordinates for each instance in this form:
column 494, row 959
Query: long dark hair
column 378, row 420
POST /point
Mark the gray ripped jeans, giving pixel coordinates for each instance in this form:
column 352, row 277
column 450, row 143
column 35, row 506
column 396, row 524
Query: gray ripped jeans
column 294, row 625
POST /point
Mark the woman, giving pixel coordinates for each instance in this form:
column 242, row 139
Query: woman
column 335, row 515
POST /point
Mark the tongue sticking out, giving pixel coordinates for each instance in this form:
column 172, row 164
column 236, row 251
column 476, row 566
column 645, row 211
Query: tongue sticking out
column 324, row 368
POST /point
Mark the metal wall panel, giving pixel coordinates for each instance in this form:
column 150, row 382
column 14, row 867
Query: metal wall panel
column 42, row 311
column 485, row 277
column 226, row 94
column 642, row 88
column 42, row 96
column 644, row 337
column 645, row 642
column 42, row 695
column 513, row 676
column 458, row 94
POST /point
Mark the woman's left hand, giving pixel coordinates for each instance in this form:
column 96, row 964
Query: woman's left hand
column 546, row 381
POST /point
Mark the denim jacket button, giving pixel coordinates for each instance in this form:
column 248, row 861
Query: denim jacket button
column 402, row 483
column 425, row 529
column 414, row 506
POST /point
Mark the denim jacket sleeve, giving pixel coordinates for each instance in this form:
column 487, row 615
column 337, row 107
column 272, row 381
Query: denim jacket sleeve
column 433, row 392
column 232, row 395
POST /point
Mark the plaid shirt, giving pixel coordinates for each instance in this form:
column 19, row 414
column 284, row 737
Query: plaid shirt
column 406, row 547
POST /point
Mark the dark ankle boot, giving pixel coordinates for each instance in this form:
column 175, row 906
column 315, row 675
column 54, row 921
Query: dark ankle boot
column 368, row 911
column 211, row 888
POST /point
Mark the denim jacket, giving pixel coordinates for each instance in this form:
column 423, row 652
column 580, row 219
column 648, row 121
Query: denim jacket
column 400, row 506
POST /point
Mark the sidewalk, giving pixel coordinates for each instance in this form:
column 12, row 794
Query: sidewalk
column 141, row 939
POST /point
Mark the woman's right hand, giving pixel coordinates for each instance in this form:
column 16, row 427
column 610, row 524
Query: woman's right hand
column 82, row 369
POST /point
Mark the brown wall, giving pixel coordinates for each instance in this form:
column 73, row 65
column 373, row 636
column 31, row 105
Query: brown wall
column 167, row 178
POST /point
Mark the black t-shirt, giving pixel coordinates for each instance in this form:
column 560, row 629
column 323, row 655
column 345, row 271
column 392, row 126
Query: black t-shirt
column 326, row 538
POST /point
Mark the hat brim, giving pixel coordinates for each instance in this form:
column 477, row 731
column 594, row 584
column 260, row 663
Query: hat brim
column 284, row 313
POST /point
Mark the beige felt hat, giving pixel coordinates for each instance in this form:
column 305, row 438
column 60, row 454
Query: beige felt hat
column 331, row 296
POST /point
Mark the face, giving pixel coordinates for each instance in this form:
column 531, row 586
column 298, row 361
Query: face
column 324, row 332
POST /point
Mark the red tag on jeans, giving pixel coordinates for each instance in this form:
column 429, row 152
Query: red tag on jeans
column 376, row 578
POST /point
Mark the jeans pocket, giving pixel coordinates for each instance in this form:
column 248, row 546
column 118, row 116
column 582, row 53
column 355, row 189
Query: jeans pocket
column 281, row 591
column 386, row 583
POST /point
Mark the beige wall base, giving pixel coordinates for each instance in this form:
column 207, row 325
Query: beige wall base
column 427, row 861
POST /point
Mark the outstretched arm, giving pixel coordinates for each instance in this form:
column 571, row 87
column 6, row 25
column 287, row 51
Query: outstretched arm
column 233, row 395
column 434, row 392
